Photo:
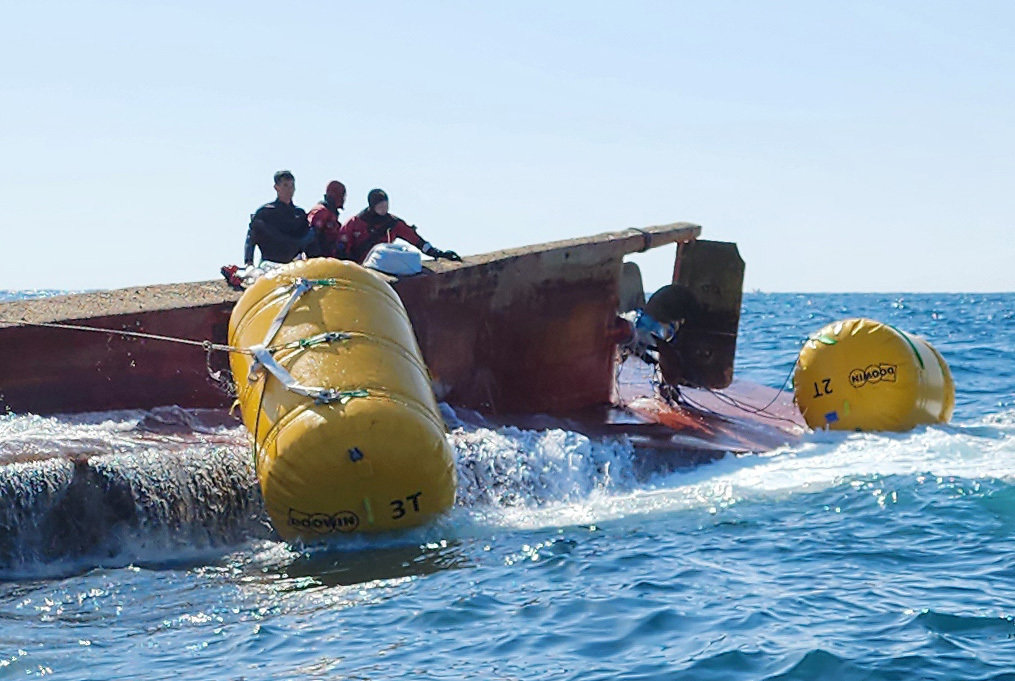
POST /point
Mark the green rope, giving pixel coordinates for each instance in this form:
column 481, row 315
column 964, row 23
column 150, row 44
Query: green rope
column 311, row 341
column 343, row 397
column 912, row 345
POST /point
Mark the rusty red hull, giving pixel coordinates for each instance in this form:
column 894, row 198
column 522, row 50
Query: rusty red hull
column 518, row 330
column 50, row 370
column 523, row 331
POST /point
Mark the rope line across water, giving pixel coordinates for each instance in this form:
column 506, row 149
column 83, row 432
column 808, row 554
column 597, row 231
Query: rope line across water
column 133, row 334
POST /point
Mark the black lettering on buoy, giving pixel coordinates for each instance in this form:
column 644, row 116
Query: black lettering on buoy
column 345, row 520
column 398, row 505
column 824, row 389
column 874, row 373
column 324, row 523
column 399, row 509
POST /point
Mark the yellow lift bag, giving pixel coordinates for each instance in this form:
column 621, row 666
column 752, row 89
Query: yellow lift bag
column 347, row 434
column 859, row 374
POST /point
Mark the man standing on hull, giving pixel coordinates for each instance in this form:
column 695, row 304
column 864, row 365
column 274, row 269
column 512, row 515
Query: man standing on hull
column 280, row 229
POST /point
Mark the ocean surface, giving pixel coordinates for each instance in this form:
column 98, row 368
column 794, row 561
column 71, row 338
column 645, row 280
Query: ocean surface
column 845, row 556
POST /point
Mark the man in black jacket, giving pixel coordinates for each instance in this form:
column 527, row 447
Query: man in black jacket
column 280, row 228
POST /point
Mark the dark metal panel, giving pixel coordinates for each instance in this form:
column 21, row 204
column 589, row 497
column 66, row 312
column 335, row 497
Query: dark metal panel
column 712, row 273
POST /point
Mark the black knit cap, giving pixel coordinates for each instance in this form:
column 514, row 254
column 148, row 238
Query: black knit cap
column 376, row 196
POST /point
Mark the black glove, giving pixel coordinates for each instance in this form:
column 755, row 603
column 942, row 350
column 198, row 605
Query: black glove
column 438, row 253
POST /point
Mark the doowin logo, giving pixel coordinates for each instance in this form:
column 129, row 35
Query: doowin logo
column 872, row 374
column 323, row 523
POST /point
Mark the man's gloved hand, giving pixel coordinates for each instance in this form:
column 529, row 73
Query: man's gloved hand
column 438, row 253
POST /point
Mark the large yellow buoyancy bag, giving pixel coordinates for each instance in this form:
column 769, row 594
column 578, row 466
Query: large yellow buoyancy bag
column 859, row 374
column 347, row 433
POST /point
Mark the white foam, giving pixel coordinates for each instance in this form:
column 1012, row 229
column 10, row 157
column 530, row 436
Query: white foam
column 531, row 479
column 512, row 478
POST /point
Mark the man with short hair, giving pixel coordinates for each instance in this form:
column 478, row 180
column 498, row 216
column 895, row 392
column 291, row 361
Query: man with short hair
column 280, row 229
column 375, row 225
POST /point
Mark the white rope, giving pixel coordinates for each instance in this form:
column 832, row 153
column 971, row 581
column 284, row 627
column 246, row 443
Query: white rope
column 133, row 334
column 300, row 286
column 262, row 354
column 264, row 359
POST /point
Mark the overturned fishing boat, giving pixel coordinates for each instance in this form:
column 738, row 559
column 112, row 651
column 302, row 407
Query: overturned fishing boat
column 531, row 330
column 539, row 337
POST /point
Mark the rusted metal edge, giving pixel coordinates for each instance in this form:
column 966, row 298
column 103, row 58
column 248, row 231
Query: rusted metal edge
column 130, row 300
column 606, row 244
column 116, row 302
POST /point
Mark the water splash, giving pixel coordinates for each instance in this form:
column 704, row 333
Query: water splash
column 118, row 488
column 124, row 487
column 513, row 467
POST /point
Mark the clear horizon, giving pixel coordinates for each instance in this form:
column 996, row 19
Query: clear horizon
column 866, row 147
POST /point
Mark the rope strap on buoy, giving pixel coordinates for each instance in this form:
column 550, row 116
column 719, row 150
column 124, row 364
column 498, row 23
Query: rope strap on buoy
column 264, row 358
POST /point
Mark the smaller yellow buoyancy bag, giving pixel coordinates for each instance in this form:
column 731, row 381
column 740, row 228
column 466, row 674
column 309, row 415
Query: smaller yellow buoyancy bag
column 347, row 434
column 859, row 374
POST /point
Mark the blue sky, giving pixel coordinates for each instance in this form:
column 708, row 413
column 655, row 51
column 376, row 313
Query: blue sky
column 857, row 146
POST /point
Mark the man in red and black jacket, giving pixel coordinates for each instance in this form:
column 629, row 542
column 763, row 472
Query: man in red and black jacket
column 375, row 225
column 324, row 220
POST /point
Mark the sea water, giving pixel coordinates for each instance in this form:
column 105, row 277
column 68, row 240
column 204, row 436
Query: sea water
column 845, row 556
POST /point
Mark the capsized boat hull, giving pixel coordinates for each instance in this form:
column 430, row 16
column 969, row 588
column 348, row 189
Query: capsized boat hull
column 520, row 330
column 524, row 331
